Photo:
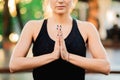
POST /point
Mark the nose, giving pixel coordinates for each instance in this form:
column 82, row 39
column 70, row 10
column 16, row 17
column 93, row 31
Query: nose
column 60, row 0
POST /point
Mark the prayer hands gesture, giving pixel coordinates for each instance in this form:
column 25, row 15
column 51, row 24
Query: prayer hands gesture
column 60, row 49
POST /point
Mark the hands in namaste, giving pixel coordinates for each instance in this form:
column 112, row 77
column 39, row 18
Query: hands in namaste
column 60, row 47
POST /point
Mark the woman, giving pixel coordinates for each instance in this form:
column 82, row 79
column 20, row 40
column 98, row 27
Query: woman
column 59, row 46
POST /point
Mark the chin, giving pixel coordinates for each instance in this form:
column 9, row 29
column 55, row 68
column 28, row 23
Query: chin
column 60, row 12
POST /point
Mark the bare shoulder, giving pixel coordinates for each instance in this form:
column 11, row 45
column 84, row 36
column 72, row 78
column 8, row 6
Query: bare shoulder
column 87, row 29
column 35, row 27
column 87, row 26
column 33, row 23
column 31, row 28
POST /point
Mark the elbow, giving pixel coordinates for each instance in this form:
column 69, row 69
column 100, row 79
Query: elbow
column 12, row 67
column 107, row 69
column 11, row 70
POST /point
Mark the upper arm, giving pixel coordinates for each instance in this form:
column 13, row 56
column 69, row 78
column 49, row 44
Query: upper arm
column 22, row 47
column 94, row 43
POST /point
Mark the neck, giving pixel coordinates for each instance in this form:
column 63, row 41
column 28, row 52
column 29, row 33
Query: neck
column 61, row 19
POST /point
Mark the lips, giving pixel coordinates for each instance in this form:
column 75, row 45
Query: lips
column 60, row 7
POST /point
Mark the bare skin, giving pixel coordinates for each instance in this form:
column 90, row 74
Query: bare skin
column 20, row 62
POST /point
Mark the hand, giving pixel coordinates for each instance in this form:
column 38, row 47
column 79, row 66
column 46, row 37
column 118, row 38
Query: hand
column 56, row 52
column 63, row 50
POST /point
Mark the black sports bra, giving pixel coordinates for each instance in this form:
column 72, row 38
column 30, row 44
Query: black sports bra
column 59, row 69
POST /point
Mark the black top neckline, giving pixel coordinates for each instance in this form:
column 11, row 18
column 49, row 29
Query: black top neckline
column 46, row 20
column 44, row 29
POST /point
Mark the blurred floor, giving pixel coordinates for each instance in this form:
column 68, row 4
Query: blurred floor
column 17, row 76
column 102, row 77
column 114, row 58
column 28, row 76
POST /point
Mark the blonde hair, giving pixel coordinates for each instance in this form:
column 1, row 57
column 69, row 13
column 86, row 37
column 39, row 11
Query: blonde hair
column 48, row 11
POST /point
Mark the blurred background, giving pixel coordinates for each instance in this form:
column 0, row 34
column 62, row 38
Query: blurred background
column 104, row 14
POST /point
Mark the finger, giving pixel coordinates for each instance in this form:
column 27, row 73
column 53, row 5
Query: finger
column 57, row 29
column 62, row 53
column 62, row 42
column 63, row 49
column 57, row 39
column 61, row 46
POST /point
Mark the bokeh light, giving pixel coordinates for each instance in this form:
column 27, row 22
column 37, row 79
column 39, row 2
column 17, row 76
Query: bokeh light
column 2, row 57
column 110, row 16
column 1, row 38
column 23, row 10
column 1, row 5
column 13, row 37
column 26, row 1
column 38, row 14
column 12, row 8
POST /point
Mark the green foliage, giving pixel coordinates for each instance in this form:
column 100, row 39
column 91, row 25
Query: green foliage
column 32, row 10
column 1, row 24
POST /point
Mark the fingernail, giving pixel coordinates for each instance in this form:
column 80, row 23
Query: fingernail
column 57, row 26
column 60, row 26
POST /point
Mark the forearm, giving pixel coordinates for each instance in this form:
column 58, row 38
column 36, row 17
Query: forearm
column 97, row 65
column 26, row 63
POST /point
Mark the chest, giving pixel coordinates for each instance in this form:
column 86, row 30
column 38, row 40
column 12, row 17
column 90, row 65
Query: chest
column 74, row 44
column 53, row 31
